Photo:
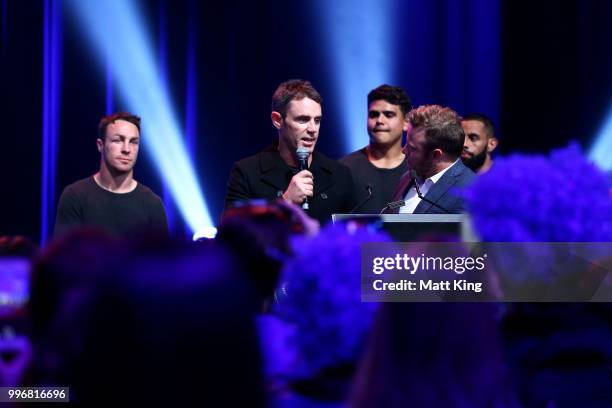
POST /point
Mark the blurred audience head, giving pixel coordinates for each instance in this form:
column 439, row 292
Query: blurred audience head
column 64, row 278
column 17, row 246
column 258, row 233
column 433, row 355
column 176, row 327
column 156, row 325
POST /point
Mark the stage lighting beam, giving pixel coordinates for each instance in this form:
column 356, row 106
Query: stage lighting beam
column 117, row 34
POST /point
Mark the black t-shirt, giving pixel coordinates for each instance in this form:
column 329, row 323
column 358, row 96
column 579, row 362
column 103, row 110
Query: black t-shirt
column 382, row 181
column 127, row 214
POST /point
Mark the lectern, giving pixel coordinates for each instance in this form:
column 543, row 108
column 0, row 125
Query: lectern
column 412, row 227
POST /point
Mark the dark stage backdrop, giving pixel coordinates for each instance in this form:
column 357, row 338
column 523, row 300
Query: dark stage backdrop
column 550, row 81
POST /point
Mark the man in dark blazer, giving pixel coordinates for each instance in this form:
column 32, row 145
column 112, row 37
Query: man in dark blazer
column 433, row 149
column 326, row 185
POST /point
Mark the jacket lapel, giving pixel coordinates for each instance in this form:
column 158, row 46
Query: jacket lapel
column 402, row 187
column 401, row 190
column 436, row 192
column 270, row 161
column 322, row 174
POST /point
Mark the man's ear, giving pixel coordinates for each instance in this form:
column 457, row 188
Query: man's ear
column 436, row 154
column 277, row 119
column 491, row 144
column 100, row 145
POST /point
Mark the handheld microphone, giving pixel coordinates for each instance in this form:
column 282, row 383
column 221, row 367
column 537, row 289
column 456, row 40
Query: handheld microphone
column 369, row 190
column 413, row 176
column 302, row 155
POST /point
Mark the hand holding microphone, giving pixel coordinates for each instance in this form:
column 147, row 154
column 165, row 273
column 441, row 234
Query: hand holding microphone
column 301, row 185
column 300, row 188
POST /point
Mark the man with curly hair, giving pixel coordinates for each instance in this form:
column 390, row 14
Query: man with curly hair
column 433, row 150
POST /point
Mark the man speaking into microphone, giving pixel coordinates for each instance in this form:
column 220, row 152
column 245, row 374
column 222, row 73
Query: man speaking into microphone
column 290, row 168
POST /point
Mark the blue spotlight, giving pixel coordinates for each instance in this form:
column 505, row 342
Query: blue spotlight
column 109, row 88
column 118, row 35
column 601, row 151
column 52, row 85
column 360, row 47
column 162, row 48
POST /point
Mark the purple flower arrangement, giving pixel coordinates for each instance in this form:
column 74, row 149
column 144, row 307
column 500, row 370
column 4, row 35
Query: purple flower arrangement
column 533, row 198
column 322, row 285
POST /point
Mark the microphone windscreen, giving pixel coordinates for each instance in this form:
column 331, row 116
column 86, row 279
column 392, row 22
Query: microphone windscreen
column 302, row 153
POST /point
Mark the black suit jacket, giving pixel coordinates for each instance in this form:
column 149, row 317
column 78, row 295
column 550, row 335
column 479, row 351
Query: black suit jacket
column 445, row 193
column 266, row 175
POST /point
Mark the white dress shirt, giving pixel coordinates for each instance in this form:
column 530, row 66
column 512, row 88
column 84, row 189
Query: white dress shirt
column 412, row 199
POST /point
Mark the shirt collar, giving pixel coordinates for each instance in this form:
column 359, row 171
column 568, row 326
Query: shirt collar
column 434, row 179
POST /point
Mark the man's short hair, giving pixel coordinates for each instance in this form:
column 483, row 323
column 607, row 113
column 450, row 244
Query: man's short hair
column 290, row 90
column 112, row 118
column 392, row 94
column 486, row 122
column 442, row 128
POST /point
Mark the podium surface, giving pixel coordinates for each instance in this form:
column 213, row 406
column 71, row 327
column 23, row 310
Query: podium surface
column 411, row 227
